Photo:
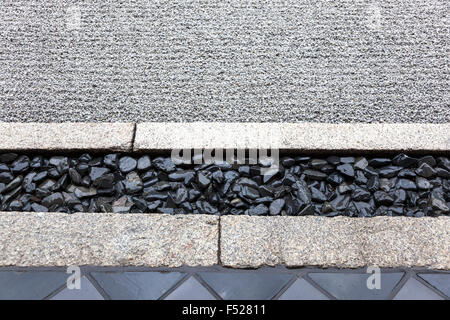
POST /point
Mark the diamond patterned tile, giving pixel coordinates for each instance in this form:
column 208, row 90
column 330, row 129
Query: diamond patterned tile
column 136, row 285
column 30, row 285
column 414, row 290
column 87, row 291
column 440, row 281
column 353, row 286
column 191, row 289
column 241, row 286
column 302, row 290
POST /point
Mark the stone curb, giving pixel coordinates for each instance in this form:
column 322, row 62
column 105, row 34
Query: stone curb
column 294, row 136
column 101, row 239
column 159, row 240
column 66, row 136
column 251, row 242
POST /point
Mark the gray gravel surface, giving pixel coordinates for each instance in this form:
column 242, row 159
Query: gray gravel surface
column 225, row 60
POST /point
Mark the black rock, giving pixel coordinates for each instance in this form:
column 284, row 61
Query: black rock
column 399, row 196
column 20, row 165
column 16, row 182
column 437, row 202
column 6, row 177
column 74, row 176
column 429, row 160
column 111, row 161
column 360, row 177
column 127, row 164
column 383, row 198
column 333, row 160
column 97, row 172
column 318, row 163
column 315, row 175
column 406, row 184
column 379, row 162
column 335, row 178
column 361, row 163
column 340, row 202
column 442, row 173
column 155, row 195
column 38, row 208
column 389, row 171
column 203, row 179
column 317, row 195
column 265, row 200
column 55, row 199
column 132, row 183
column 287, row 162
column 276, row 206
column 346, row 170
column 347, row 160
column 360, row 194
column 37, row 162
column 301, row 192
column 423, row 183
column 218, row 176
column 364, row 208
column 444, row 163
column 164, row 164
column 8, row 157
column 249, row 193
column 426, row 171
column 259, row 210
column 144, row 163
column 180, row 196
column 292, row 206
column 82, row 168
column 407, row 174
column 205, row 208
column 83, row 192
column 403, row 160
column 122, row 205
column 344, row 188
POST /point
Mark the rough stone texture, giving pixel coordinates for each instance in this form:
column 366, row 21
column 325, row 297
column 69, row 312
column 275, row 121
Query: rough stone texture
column 224, row 60
column 58, row 239
column 335, row 242
column 294, row 136
column 66, row 136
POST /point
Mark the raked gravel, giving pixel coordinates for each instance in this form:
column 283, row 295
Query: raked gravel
column 227, row 60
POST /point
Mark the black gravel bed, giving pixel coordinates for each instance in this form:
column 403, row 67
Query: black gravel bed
column 329, row 186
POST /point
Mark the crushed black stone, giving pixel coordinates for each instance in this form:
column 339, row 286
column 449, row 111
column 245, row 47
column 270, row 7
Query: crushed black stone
column 303, row 185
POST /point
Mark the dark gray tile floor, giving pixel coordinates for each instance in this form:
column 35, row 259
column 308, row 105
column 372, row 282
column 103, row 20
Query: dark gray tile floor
column 221, row 283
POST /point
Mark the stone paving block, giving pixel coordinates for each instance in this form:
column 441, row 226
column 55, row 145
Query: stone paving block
column 136, row 285
column 191, row 289
column 302, row 290
column 353, row 286
column 440, row 281
column 246, row 286
column 414, row 290
column 87, row 291
column 293, row 136
column 30, row 285
column 335, row 242
column 103, row 239
column 66, row 136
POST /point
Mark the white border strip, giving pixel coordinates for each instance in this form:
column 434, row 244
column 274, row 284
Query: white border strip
column 293, row 136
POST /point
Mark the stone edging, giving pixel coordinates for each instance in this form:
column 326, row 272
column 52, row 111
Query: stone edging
column 294, row 136
column 66, row 136
column 154, row 136
column 157, row 240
